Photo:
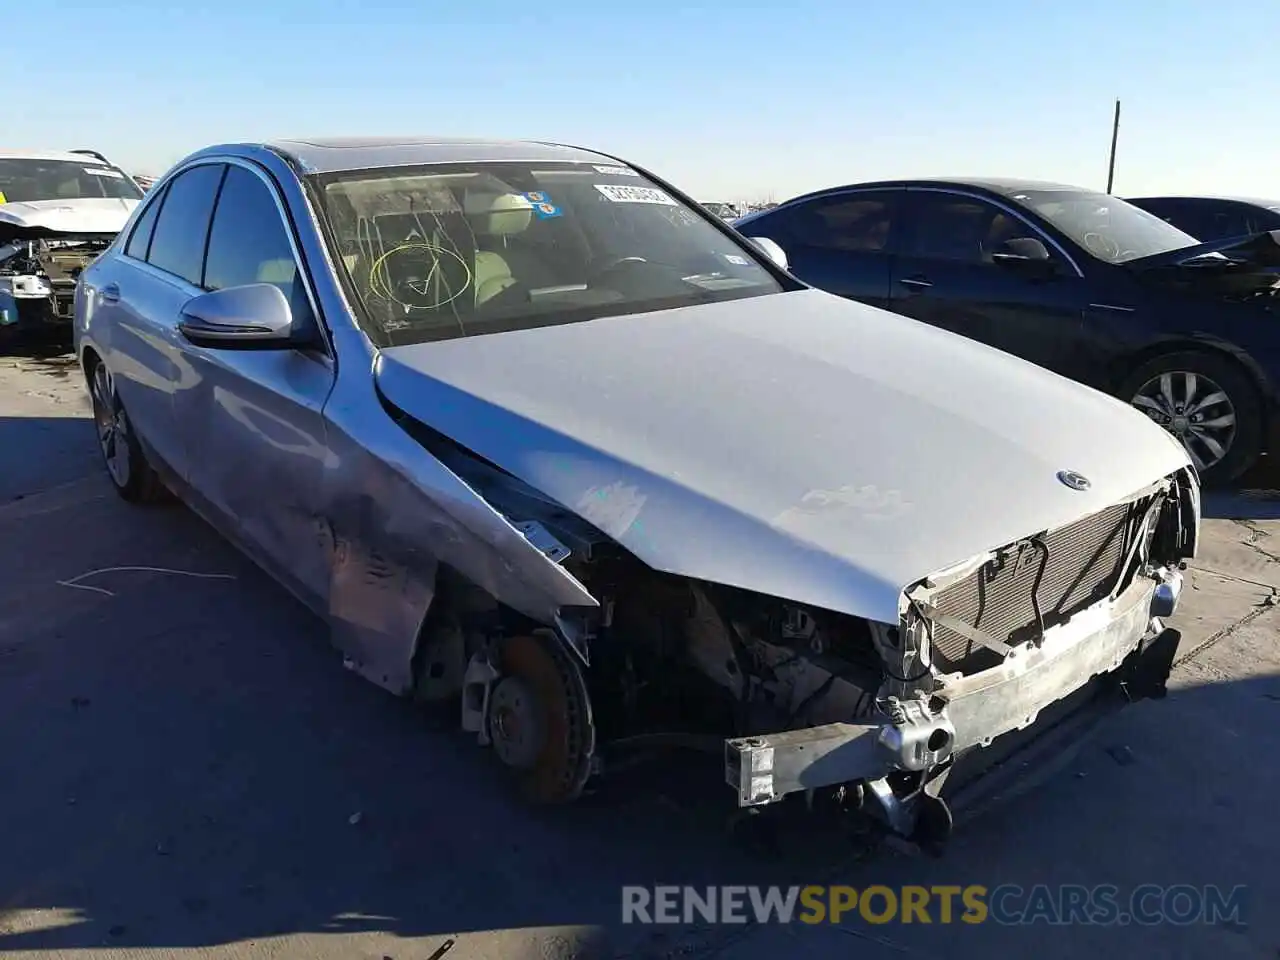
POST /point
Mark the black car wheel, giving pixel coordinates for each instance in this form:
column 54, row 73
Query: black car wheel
column 1209, row 402
column 126, row 464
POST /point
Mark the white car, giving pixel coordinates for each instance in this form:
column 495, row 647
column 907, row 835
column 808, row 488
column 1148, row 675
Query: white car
column 542, row 439
column 58, row 211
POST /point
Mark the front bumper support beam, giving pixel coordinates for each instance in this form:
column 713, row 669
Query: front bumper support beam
column 1119, row 640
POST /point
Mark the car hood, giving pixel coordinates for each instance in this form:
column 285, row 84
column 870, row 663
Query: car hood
column 50, row 218
column 1255, row 249
column 798, row 445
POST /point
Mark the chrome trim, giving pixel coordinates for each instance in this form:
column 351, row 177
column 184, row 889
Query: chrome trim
column 1111, row 306
column 1008, row 208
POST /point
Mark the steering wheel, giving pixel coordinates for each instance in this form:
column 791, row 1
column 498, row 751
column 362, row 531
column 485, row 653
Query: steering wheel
column 420, row 276
column 1102, row 245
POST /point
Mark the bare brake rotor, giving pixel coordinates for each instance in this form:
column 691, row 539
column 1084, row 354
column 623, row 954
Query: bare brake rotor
column 540, row 718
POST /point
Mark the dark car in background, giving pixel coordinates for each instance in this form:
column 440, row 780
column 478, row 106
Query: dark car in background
column 1083, row 283
column 1214, row 218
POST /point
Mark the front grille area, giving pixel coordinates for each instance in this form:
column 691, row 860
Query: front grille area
column 1083, row 565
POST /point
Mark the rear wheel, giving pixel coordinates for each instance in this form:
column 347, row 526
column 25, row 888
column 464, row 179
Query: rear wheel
column 127, row 466
column 1209, row 403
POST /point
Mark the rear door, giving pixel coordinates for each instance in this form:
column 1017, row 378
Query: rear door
column 137, row 302
column 946, row 276
column 840, row 242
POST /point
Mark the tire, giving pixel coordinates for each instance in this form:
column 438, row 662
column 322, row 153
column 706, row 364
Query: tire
column 1238, row 399
column 127, row 466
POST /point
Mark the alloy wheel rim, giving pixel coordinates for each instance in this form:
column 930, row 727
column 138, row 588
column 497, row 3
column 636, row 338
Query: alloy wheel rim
column 1194, row 409
column 113, row 426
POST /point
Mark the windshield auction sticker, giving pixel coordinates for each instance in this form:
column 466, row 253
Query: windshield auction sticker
column 623, row 194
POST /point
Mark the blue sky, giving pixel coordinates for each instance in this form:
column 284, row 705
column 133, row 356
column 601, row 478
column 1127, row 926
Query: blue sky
column 730, row 101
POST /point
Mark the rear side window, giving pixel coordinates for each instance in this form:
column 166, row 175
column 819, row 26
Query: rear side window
column 855, row 223
column 177, row 245
column 249, row 241
column 140, row 239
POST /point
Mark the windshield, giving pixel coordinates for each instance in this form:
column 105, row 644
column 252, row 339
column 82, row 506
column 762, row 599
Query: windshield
column 1107, row 227
column 23, row 180
column 464, row 249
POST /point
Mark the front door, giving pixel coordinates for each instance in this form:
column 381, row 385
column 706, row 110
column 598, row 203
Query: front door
column 947, row 276
column 253, row 417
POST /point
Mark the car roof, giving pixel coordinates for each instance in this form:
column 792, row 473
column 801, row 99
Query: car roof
column 11, row 154
column 1004, row 186
column 1251, row 201
column 334, row 154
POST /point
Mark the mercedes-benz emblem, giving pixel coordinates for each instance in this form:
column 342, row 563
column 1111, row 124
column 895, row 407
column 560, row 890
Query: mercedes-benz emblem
column 1076, row 481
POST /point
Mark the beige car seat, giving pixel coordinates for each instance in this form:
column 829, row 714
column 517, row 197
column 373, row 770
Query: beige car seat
column 494, row 218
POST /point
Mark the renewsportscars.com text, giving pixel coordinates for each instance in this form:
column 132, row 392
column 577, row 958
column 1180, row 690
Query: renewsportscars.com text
column 1064, row 904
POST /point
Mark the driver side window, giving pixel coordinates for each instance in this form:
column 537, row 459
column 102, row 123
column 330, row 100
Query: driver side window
column 962, row 229
column 249, row 243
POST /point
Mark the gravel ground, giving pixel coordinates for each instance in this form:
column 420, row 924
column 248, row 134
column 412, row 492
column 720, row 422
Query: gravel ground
column 186, row 769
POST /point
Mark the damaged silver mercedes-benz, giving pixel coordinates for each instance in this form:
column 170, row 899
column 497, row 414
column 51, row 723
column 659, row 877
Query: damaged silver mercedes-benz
column 58, row 211
column 545, row 442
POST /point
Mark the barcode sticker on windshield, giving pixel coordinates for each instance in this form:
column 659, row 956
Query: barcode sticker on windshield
column 104, row 172
column 617, row 171
column 619, row 194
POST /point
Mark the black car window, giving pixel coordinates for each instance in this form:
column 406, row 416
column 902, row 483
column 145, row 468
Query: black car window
column 856, row 222
column 853, row 222
column 249, row 241
column 960, row 228
column 1189, row 216
column 177, row 245
column 949, row 227
column 1229, row 220
column 140, row 239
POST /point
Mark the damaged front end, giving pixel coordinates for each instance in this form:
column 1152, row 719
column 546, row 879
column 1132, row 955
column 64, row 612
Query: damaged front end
column 874, row 717
column 38, row 276
column 985, row 650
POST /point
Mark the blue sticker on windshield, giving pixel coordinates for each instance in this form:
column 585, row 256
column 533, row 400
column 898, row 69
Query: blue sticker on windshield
column 543, row 208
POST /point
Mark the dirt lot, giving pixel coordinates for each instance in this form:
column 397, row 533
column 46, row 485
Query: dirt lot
column 185, row 767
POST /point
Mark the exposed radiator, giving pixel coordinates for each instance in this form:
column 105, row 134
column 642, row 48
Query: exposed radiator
column 1083, row 564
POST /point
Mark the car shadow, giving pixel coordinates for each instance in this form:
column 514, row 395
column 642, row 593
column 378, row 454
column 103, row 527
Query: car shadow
column 41, row 452
column 51, row 349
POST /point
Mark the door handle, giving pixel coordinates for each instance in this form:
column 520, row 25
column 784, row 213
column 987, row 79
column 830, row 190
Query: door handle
column 915, row 283
column 110, row 293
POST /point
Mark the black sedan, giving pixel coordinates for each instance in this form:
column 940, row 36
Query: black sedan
column 1083, row 283
column 1214, row 218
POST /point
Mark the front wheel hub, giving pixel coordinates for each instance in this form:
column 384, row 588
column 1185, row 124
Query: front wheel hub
column 516, row 725
column 1194, row 409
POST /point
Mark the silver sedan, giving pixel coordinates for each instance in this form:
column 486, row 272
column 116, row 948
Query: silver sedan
column 542, row 439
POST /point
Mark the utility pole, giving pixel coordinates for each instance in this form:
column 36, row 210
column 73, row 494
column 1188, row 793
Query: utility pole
column 1115, row 134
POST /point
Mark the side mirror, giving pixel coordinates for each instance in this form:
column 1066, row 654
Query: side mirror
column 772, row 251
column 255, row 316
column 1022, row 250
